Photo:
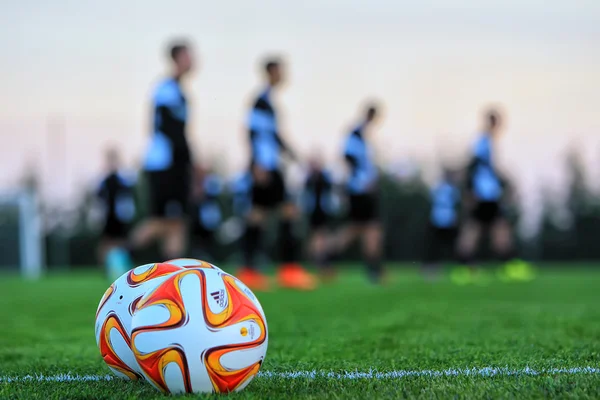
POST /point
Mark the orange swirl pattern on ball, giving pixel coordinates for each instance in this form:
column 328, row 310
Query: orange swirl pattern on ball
column 168, row 295
column 203, row 264
column 106, row 348
column 154, row 271
column 239, row 308
column 105, row 297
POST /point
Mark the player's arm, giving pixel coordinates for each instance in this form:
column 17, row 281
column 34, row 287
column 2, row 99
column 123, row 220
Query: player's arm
column 284, row 146
column 351, row 161
column 468, row 195
column 329, row 193
column 508, row 190
column 101, row 191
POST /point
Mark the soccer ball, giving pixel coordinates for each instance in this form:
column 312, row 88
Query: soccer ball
column 201, row 330
column 113, row 317
column 191, row 263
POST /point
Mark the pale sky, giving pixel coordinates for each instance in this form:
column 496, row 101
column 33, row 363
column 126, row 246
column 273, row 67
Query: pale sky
column 433, row 64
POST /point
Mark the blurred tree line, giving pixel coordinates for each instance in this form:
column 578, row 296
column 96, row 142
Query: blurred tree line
column 567, row 231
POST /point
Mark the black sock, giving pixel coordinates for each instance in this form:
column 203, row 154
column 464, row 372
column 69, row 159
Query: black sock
column 374, row 268
column 251, row 243
column 322, row 261
column 465, row 259
column 506, row 255
column 289, row 242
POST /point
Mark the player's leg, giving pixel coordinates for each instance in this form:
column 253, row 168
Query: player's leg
column 348, row 233
column 344, row 237
column 252, row 238
column 112, row 248
column 372, row 238
column 174, row 232
column 365, row 211
column 431, row 252
column 174, row 238
column 468, row 240
column 319, row 250
column 502, row 240
column 480, row 217
column 152, row 227
column 109, row 238
column 146, row 231
column 202, row 244
column 290, row 273
column 503, row 245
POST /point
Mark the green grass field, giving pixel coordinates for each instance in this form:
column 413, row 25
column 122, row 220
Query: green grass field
column 346, row 327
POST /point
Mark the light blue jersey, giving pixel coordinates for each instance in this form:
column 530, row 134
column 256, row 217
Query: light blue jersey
column 358, row 153
column 444, row 198
column 484, row 182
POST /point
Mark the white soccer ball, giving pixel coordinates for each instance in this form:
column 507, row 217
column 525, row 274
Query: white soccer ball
column 113, row 317
column 201, row 330
column 191, row 263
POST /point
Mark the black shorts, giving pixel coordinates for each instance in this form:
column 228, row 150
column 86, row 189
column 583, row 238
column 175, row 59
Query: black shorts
column 318, row 219
column 364, row 208
column 440, row 243
column 169, row 192
column 115, row 229
column 272, row 194
column 487, row 212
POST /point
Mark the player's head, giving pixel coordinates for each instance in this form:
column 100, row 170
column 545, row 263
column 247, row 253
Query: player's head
column 492, row 120
column 273, row 69
column 112, row 159
column 181, row 57
column 371, row 112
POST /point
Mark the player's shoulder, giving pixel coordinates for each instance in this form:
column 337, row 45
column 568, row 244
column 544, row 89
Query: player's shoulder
column 213, row 184
column 241, row 181
column 354, row 137
column 263, row 101
column 356, row 133
column 481, row 147
column 127, row 177
column 166, row 91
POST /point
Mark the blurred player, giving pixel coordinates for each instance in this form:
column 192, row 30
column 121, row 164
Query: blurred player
column 269, row 191
column 443, row 223
column 318, row 205
column 206, row 216
column 363, row 197
column 116, row 193
column 485, row 201
column 241, row 191
column 168, row 163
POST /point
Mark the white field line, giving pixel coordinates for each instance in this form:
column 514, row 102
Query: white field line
column 347, row 375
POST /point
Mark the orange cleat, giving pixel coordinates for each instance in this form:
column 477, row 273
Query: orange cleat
column 293, row 276
column 253, row 279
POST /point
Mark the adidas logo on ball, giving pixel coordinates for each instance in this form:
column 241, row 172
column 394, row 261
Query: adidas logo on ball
column 219, row 297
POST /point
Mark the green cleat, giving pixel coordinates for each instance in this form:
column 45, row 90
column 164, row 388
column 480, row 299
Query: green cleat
column 461, row 276
column 517, row 270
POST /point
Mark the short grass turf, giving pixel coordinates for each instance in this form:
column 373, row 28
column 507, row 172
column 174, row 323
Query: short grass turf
column 553, row 322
